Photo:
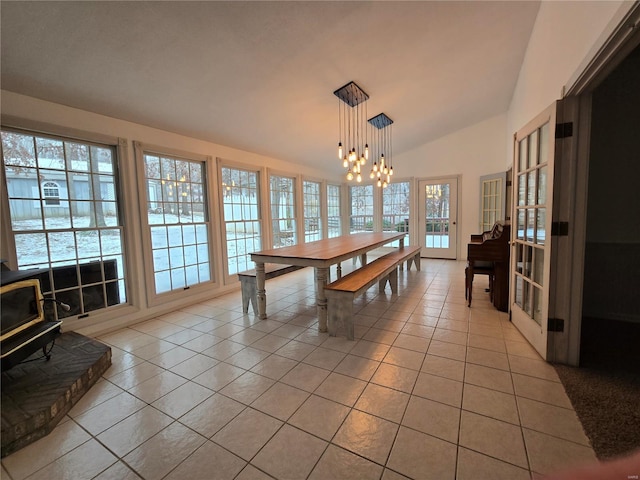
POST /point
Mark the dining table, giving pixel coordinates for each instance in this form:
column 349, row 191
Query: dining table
column 320, row 254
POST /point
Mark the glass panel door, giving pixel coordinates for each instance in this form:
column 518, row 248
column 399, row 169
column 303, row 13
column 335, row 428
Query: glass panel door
column 492, row 196
column 533, row 168
column 438, row 217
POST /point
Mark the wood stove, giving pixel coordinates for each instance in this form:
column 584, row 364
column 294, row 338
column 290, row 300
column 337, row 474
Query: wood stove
column 24, row 328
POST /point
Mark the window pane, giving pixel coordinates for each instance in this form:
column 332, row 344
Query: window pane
column 533, row 149
column 361, row 217
column 175, row 211
column 241, row 212
column 333, row 211
column 395, row 208
column 311, row 207
column 522, row 155
column 542, row 185
column 283, row 207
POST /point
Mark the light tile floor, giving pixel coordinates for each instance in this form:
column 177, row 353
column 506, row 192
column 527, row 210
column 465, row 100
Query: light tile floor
column 430, row 389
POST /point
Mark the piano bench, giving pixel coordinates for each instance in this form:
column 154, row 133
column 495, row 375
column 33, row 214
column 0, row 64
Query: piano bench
column 477, row 268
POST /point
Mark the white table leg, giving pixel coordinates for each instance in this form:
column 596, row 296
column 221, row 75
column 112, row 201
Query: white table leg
column 261, row 292
column 321, row 298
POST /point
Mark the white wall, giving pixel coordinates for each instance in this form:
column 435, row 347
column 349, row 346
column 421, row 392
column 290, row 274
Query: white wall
column 38, row 110
column 564, row 39
column 472, row 152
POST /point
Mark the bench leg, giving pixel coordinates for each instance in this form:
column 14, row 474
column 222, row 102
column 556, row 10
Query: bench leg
column 416, row 260
column 249, row 294
column 340, row 311
column 393, row 281
column 382, row 283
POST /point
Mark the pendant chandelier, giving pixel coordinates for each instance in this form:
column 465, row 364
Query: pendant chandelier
column 353, row 147
column 382, row 169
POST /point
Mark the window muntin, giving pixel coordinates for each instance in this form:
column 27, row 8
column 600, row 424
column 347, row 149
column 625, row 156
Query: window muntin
column 361, row 215
column 178, row 221
column 334, row 222
column 79, row 239
column 311, row 207
column 283, row 208
column 241, row 217
column 395, row 208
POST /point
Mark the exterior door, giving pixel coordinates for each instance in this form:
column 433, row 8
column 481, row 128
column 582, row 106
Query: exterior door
column 531, row 242
column 438, row 216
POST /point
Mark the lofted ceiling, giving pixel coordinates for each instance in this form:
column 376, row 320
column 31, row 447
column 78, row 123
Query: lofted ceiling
column 260, row 76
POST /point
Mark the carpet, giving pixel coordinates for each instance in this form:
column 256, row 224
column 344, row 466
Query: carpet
column 605, row 389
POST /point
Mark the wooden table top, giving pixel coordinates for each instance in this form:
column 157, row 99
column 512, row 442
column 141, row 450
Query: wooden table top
column 327, row 251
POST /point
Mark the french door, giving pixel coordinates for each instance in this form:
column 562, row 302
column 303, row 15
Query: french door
column 531, row 246
column 438, row 217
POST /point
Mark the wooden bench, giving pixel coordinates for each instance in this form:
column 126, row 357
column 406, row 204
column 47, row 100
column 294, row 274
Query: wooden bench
column 248, row 283
column 341, row 293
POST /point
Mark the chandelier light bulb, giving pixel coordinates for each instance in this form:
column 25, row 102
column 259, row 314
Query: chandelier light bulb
column 349, row 175
column 378, row 173
column 385, row 184
column 340, row 150
column 375, row 166
column 359, row 178
column 388, row 179
column 391, row 171
column 379, row 183
column 372, row 175
column 386, row 170
column 366, row 151
column 345, row 163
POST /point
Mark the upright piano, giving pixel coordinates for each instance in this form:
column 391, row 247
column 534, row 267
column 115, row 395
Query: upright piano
column 488, row 253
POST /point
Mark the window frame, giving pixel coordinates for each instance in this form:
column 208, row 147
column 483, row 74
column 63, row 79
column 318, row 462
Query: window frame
column 153, row 299
column 123, row 280
column 230, row 278
column 341, row 205
column 320, row 207
column 296, row 209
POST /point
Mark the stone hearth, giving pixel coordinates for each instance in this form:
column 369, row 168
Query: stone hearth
column 38, row 394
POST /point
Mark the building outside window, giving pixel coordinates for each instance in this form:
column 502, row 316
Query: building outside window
column 65, row 218
column 311, row 207
column 51, row 193
column 333, row 211
column 241, row 217
column 283, row 208
column 178, row 221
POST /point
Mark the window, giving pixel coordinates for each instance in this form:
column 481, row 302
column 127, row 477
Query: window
column 333, row 211
column 178, row 221
column 311, row 206
column 361, row 216
column 395, row 208
column 241, row 216
column 79, row 242
column 283, row 223
column 51, row 193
